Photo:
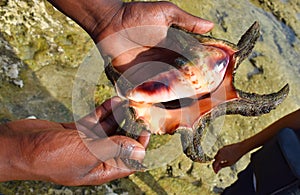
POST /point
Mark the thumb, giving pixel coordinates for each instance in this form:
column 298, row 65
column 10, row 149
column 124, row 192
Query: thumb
column 189, row 22
column 117, row 147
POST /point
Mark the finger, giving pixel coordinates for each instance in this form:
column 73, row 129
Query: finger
column 71, row 125
column 116, row 147
column 216, row 166
column 105, row 172
column 144, row 138
column 219, row 164
column 224, row 164
column 86, row 132
column 106, row 128
column 100, row 113
column 107, row 107
column 110, row 124
column 189, row 22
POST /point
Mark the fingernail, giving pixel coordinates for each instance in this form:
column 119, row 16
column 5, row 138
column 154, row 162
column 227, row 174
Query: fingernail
column 145, row 133
column 208, row 25
column 144, row 138
column 138, row 153
column 134, row 165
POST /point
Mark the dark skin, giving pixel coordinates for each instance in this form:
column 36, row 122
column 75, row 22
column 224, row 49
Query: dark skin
column 85, row 153
column 230, row 154
column 89, row 153
column 134, row 35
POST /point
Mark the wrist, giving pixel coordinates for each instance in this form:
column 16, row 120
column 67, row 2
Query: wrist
column 13, row 163
column 92, row 15
column 245, row 147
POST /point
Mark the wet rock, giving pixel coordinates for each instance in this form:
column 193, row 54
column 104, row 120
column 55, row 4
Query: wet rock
column 22, row 94
column 9, row 64
column 3, row 2
column 47, row 49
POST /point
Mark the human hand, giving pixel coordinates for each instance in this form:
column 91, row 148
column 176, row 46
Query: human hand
column 133, row 34
column 136, row 37
column 49, row 151
column 227, row 156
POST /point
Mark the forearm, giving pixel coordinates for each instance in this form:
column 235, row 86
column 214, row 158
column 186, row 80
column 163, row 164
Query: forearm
column 7, row 153
column 92, row 15
column 13, row 164
column 292, row 121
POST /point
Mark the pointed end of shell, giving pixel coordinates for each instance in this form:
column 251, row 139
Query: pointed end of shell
column 247, row 43
column 252, row 104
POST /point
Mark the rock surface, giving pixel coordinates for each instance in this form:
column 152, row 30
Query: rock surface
column 41, row 51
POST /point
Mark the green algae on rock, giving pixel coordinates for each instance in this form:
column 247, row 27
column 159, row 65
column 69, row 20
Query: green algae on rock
column 279, row 68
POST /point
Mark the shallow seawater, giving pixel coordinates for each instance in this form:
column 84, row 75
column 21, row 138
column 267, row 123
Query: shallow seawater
column 51, row 62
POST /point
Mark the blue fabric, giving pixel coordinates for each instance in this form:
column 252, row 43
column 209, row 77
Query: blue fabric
column 290, row 147
column 271, row 167
column 244, row 184
column 276, row 165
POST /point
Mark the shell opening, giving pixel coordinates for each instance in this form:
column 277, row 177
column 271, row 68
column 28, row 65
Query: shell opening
column 180, row 103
